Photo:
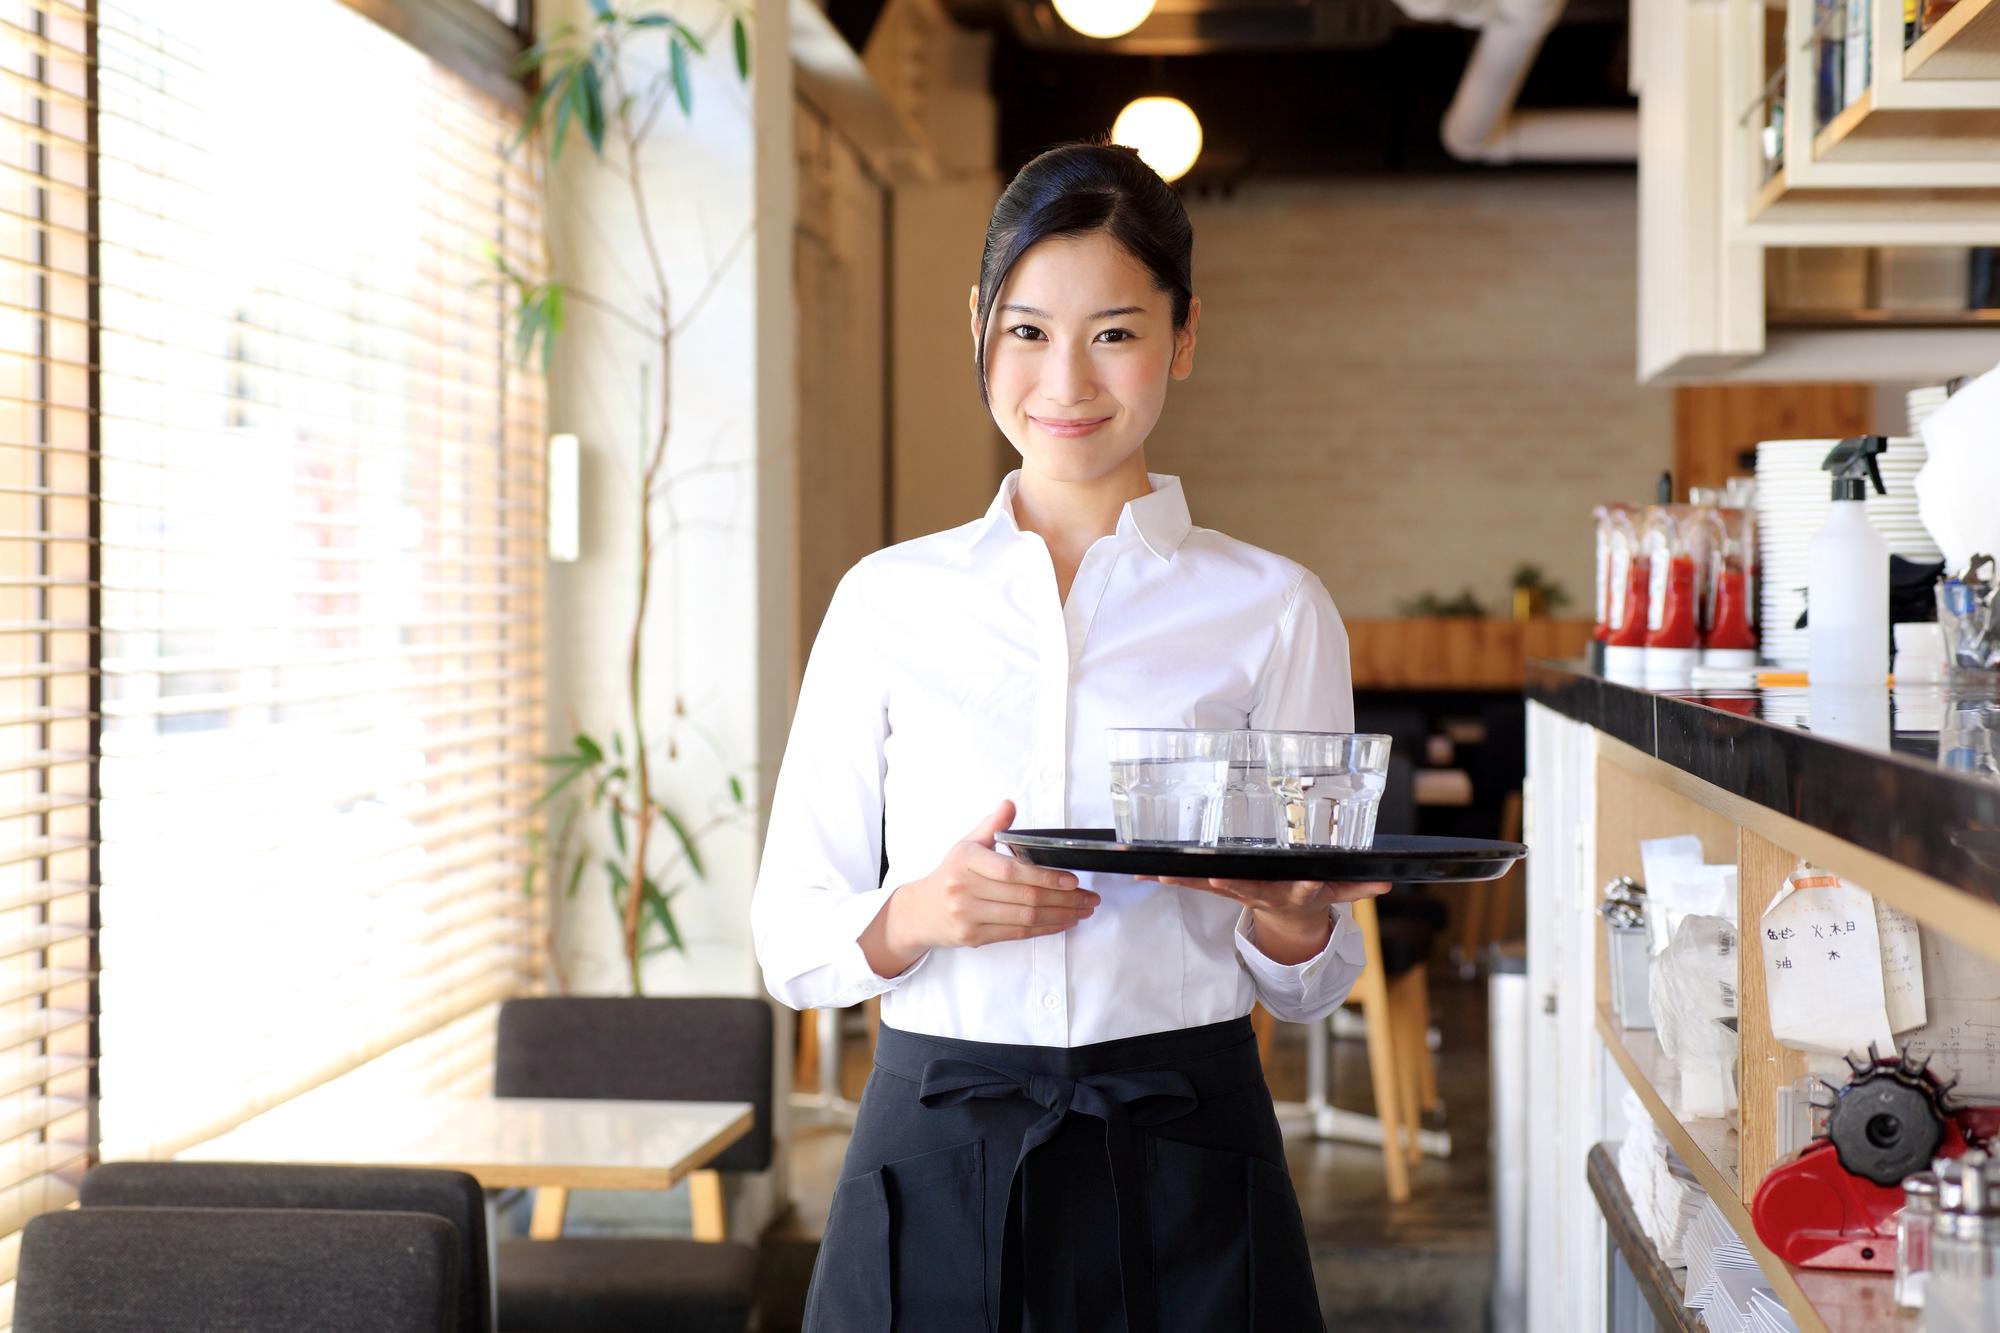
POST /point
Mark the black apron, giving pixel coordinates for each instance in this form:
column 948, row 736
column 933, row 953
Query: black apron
column 1136, row 1185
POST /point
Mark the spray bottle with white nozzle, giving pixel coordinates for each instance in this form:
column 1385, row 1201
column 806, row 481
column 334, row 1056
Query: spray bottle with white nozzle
column 1847, row 574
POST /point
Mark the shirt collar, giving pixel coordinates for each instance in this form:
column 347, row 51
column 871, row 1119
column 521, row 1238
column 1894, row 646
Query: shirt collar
column 1159, row 519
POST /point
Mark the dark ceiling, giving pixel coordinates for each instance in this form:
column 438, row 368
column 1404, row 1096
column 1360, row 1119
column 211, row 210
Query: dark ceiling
column 1364, row 94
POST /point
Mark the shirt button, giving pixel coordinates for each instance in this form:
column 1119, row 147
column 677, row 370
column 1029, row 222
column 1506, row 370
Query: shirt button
column 1049, row 1001
column 1051, row 774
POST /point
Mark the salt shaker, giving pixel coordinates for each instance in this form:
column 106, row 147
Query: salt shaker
column 1913, row 1238
column 1962, row 1293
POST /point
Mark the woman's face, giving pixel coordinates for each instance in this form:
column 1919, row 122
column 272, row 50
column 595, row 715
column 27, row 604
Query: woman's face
column 1078, row 355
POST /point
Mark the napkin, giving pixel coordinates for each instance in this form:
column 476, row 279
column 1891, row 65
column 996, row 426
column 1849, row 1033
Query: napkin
column 1958, row 488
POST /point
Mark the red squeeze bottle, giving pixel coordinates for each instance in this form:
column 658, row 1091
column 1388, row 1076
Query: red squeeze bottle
column 1731, row 625
column 1628, row 613
column 1673, row 618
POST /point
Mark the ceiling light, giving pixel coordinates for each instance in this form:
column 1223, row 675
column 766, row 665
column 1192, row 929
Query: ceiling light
column 1165, row 132
column 1103, row 18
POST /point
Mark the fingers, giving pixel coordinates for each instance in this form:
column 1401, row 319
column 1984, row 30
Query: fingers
column 998, row 866
column 1001, row 818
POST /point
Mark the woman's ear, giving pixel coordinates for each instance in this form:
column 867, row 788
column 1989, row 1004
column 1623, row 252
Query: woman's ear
column 972, row 304
column 1183, row 362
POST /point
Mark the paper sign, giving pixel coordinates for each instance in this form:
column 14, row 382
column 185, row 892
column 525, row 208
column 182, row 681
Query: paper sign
column 1961, row 1032
column 1678, row 884
column 1902, row 967
column 1823, row 966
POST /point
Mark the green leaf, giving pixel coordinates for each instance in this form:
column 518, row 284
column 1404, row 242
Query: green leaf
column 603, row 8
column 651, row 21
column 736, row 788
column 678, row 63
column 687, row 842
column 589, row 748
column 552, row 86
column 565, row 108
column 619, row 880
column 576, row 875
column 590, row 107
column 741, row 38
column 558, row 760
column 528, row 879
column 618, row 827
column 656, row 903
column 555, row 788
column 618, row 743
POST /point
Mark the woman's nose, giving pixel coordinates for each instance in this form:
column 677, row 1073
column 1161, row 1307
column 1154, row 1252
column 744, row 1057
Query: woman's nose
column 1067, row 376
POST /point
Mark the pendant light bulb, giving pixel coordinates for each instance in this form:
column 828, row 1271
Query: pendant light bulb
column 1103, row 18
column 1164, row 130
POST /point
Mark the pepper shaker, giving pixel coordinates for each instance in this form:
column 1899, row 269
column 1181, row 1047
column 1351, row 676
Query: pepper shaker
column 1962, row 1293
column 1913, row 1238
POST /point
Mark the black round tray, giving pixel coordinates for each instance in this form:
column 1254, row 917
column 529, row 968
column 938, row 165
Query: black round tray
column 1403, row 860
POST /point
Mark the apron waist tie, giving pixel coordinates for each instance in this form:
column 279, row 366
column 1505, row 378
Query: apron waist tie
column 1120, row 1100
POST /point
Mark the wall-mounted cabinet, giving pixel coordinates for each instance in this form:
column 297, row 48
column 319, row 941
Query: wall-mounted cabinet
column 1761, row 126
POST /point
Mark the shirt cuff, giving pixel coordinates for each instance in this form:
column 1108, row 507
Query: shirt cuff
column 1310, row 985
column 858, row 980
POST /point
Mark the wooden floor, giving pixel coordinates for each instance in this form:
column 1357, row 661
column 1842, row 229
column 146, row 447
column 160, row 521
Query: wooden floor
column 1422, row 1265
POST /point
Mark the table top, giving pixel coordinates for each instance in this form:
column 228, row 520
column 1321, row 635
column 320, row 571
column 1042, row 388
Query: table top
column 504, row 1142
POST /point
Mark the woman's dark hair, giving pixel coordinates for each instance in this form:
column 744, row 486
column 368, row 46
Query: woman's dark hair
column 1074, row 189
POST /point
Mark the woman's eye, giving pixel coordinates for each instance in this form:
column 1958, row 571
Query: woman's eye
column 1025, row 331
column 1117, row 335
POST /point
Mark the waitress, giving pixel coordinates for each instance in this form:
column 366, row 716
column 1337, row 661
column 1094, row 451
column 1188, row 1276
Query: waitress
column 1067, row 1127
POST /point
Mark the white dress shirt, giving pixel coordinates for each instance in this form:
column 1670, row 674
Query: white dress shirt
column 947, row 678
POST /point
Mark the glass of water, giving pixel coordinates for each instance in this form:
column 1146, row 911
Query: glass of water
column 1168, row 785
column 1327, row 786
column 1249, row 806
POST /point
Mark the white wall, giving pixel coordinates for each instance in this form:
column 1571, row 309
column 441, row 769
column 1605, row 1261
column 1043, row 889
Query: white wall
column 719, row 634
column 1415, row 383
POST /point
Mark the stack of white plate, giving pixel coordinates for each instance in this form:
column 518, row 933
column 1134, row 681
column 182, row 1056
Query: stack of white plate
column 1793, row 496
column 1921, row 403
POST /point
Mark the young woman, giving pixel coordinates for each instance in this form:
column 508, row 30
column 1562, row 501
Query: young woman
column 1067, row 1127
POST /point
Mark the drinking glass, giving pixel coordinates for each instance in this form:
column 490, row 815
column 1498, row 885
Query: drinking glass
column 1167, row 785
column 1327, row 786
column 1249, row 806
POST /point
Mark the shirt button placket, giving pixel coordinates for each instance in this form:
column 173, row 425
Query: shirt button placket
column 1050, row 953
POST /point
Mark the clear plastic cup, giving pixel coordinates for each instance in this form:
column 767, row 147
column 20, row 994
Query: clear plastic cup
column 1168, row 785
column 1249, row 806
column 1327, row 786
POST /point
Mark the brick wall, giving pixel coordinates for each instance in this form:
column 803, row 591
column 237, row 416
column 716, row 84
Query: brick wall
column 1412, row 384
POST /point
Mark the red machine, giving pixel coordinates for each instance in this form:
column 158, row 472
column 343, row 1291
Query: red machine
column 1834, row 1204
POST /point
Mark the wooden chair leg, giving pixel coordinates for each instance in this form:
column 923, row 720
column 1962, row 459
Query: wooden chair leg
column 1266, row 1028
column 1474, row 906
column 1406, row 1003
column 806, row 1077
column 711, row 1220
column 1383, row 1074
column 551, row 1206
column 1427, row 1065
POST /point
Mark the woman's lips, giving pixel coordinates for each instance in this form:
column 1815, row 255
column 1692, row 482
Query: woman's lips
column 1069, row 429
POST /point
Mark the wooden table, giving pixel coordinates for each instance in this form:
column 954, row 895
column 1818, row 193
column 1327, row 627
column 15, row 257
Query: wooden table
column 551, row 1145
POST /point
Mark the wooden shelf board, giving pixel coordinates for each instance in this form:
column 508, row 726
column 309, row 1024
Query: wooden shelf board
column 1663, row 1287
column 1707, row 1146
column 1833, row 1302
column 1865, row 134
column 1773, row 190
column 1965, row 44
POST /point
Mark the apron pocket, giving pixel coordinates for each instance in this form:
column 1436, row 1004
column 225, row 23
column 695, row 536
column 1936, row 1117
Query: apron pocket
column 850, row 1281
column 1201, row 1243
column 937, row 1235
column 1287, row 1298
column 905, row 1247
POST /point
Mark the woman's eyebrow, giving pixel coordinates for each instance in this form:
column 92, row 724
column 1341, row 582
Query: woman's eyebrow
column 1102, row 314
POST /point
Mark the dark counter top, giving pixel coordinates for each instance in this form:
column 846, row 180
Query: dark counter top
column 1911, row 773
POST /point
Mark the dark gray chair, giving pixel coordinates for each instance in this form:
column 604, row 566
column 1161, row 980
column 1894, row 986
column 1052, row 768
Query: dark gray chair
column 650, row 1049
column 452, row 1195
column 231, row 1270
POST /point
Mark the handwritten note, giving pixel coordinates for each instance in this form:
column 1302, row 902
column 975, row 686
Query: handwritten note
column 1961, row 1032
column 1825, row 967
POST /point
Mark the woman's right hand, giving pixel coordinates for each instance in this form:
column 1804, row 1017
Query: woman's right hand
column 977, row 895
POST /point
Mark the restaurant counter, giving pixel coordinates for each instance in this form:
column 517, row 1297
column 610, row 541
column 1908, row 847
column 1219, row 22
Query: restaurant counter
column 1898, row 791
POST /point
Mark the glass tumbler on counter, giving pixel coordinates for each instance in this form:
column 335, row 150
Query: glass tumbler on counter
column 1168, row 785
column 1962, row 1293
column 1913, row 1238
column 1327, row 786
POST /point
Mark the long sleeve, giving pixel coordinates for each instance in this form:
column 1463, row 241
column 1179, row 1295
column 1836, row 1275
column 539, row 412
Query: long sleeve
column 1307, row 686
column 818, row 884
